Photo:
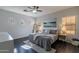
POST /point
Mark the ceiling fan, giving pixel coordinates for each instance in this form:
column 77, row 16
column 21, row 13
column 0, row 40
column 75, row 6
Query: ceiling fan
column 33, row 9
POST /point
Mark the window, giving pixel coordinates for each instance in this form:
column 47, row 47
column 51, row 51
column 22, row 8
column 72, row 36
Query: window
column 68, row 25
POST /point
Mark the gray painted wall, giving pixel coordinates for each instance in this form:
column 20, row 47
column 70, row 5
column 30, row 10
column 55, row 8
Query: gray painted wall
column 16, row 25
column 74, row 11
column 20, row 25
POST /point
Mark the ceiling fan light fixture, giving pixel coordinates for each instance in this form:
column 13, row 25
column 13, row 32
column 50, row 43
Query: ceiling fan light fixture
column 34, row 11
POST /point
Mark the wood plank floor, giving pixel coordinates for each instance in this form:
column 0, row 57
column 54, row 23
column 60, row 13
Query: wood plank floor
column 60, row 46
column 64, row 47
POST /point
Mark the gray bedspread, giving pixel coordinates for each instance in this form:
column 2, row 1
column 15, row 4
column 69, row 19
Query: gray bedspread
column 42, row 41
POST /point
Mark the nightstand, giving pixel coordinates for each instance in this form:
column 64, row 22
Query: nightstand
column 61, row 37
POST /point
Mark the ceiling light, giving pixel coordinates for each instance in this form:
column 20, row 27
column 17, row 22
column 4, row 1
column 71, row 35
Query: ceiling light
column 34, row 11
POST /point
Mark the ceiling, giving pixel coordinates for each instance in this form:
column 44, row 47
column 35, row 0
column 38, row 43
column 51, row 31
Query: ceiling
column 46, row 10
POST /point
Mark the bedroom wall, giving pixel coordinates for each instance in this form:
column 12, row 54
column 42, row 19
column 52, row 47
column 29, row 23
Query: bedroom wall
column 74, row 11
column 16, row 25
column 21, row 26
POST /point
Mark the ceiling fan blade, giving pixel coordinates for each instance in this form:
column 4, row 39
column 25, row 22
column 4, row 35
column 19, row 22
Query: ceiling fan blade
column 39, row 10
column 30, row 7
column 27, row 10
column 36, row 7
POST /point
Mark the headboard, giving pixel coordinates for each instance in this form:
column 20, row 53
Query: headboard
column 52, row 31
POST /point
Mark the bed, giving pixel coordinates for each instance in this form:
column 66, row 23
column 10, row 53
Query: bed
column 43, row 40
